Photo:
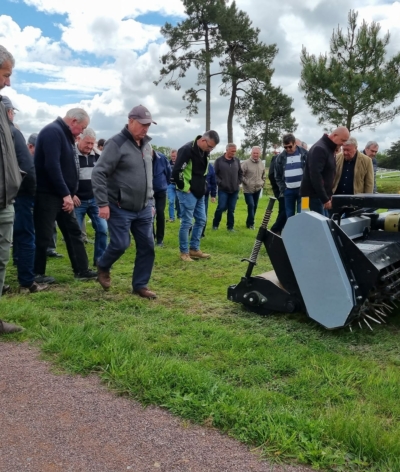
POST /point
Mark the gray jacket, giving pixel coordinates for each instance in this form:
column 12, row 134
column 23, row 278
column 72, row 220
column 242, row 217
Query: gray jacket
column 10, row 175
column 123, row 174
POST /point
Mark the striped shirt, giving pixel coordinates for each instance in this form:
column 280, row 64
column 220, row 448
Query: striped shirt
column 293, row 170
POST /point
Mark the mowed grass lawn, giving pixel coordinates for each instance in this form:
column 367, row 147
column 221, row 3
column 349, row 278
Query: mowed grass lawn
column 281, row 384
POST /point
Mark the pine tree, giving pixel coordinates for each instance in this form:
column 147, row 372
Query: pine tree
column 268, row 117
column 355, row 86
column 195, row 41
column 246, row 63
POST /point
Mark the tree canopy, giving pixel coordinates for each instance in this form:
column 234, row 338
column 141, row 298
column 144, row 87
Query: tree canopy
column 354, row 85
column 268, row 116
column 218, row 40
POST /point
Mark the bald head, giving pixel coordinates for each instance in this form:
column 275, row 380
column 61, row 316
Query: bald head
column 340, row 135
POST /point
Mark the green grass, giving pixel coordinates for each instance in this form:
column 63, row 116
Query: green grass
column 281, row 383
column 388, row 185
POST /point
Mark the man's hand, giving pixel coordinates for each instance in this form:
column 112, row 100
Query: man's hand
column 328, row 205
column 213, row 199
column 68, row 204
column 76, row 201
column 104, row 212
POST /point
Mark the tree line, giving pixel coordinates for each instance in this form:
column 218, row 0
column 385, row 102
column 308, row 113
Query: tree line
column 352, row 85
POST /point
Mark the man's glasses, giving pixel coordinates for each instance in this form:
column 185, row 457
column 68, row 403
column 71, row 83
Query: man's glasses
column 288, row 146
column 209, row 145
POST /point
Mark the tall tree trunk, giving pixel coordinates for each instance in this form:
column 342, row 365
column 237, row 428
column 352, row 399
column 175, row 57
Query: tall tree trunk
column 231, row 112
column 232, row 105
column 265, row 140
column 208, row 82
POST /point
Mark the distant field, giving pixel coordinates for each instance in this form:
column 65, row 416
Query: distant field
column 388, row 184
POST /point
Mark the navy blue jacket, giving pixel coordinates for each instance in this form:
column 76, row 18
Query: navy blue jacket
column 161, row 172
column 25, row 163
column 56, row 167
column 211, row 181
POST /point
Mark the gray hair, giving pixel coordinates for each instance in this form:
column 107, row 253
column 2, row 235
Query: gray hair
column 78, row 114
column 6, row 56
column 173, row 150
column 371, row 143
column 230, row 145
column 212, row 135
column 351, row 142
column 256, row 147
column 88, row 132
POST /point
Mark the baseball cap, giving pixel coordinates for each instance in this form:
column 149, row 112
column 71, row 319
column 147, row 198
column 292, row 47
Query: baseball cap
column 141, row 114
column 32, row 139
column 7, row 103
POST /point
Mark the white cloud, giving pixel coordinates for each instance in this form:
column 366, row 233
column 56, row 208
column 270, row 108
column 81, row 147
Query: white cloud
column 130, row 51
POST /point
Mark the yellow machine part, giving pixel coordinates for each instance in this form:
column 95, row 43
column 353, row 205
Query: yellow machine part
column 392, row 222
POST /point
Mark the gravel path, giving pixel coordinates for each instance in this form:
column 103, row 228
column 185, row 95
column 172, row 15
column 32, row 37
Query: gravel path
column 52, row 423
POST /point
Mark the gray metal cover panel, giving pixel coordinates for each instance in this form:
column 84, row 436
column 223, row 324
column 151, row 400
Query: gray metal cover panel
column 319, row 271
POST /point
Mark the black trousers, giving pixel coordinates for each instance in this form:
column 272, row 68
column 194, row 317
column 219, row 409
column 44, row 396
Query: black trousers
column 47, row 210
column 281, row 218
column 160, row 200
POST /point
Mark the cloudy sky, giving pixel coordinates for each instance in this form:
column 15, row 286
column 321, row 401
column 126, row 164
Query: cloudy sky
column 104, row 57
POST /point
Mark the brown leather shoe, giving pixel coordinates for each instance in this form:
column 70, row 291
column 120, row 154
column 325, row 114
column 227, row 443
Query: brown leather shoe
column 104, row 278
column 185, row 257
column 197, row 254
column 144, row 292
column 9, row 328
column 34, row 288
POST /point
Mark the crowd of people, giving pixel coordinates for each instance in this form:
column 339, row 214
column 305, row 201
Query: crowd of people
column 63, row 173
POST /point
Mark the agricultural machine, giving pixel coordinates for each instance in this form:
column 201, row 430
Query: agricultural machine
column 340, row 271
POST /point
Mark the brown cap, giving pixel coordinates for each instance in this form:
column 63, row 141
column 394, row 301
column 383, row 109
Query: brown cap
column 141, row 114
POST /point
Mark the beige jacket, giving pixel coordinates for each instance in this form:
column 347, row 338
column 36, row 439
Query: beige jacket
column 363, row 173
column 253, row 175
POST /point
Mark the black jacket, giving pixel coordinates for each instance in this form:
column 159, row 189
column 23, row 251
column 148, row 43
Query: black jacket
column 228, row 174
column 190, row 169
column 320, row 170
column 25, row 163
column 56, row 167
column 271, row 177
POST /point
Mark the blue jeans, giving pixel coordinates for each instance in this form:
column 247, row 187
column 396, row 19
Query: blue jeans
column 292, row 200
column 24, row 240
column 226, row 202
column 252, row 203
column 120, row 224
column 191, row 207
column 89, row 207
column 173, row 202
column 317, row 206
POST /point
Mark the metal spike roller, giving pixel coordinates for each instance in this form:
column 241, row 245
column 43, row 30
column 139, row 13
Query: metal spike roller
column 259, row 239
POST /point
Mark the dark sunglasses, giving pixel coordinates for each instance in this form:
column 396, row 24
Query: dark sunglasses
column 288, row 146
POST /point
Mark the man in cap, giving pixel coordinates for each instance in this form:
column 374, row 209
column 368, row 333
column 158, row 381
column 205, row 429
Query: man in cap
column 122, row 182
column 10, row 179
column 10, row 109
